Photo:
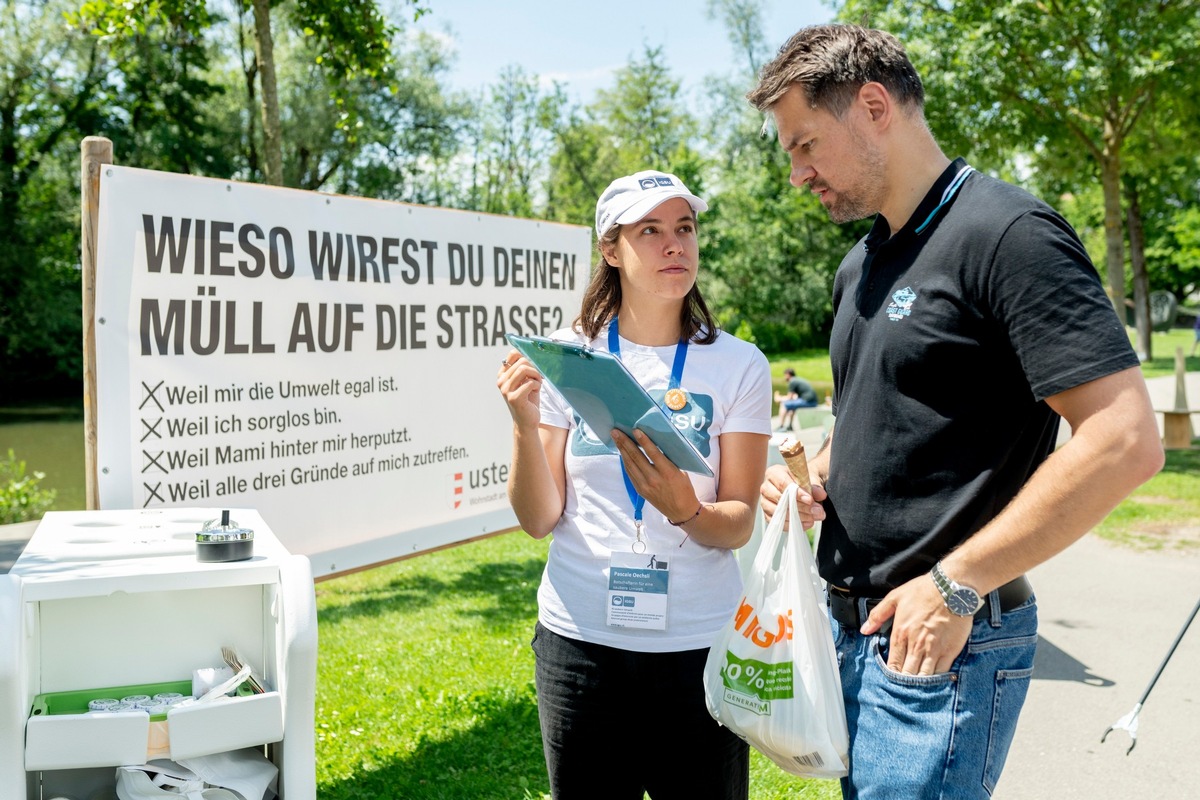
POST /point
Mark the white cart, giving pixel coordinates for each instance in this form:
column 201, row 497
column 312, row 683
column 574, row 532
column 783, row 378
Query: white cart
column 117, row 598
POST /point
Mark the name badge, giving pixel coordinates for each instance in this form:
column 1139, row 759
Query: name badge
column 637, row 591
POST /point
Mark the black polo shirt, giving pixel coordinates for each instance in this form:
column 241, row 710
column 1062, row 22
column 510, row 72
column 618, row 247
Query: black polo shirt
column 945, row 344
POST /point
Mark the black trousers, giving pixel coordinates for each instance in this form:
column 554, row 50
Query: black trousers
column 617, row 723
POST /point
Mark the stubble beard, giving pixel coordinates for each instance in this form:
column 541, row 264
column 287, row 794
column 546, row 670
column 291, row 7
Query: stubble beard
column 864, row 200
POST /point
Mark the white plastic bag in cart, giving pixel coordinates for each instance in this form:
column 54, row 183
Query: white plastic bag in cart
column 161, row 779
column 234, row 775
column 772, row 675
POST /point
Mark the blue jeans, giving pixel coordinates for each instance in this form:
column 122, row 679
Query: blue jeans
column 935, row 737
column 616, row 723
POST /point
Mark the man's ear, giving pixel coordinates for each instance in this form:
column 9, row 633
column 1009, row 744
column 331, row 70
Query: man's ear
column 876, row 103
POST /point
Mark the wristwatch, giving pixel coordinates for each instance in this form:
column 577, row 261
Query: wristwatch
column 962, row 601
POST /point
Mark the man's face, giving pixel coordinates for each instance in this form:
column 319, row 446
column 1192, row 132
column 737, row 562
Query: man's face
column 831, row 156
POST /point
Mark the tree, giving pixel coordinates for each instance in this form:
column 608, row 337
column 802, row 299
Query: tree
column 581, row 163
column 1169, row 201
column 1004, row 77
column 52, row 86
column 644, row 115
column 640, row 123
column 264, row 57
column 399, row 125
column 353, row 38
column 166, row 91
column 509, row 144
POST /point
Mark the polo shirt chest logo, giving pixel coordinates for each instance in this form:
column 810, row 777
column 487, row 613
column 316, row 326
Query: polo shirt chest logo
column 902, row 303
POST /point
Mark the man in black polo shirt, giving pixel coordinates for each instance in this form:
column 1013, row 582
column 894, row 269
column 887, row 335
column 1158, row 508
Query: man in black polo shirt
column 966, row 324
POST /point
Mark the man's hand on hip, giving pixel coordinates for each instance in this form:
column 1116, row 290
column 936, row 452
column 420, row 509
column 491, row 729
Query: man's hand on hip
column 925, row 637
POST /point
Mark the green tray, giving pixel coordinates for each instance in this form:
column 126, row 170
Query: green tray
column 76, row 702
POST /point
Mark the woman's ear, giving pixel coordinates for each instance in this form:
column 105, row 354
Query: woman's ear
column 609, row 251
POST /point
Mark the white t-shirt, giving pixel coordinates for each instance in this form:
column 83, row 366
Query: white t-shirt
column 729, row 387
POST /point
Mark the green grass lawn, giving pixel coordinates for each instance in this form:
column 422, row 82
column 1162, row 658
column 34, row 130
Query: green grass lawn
column 1164, row 512
column 812, row 365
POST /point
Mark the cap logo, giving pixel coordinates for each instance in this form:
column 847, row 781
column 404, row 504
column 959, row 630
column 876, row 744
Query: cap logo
column 646, row 183
column 664, row 181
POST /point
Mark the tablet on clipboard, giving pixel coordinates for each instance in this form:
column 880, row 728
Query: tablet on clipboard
column 606, row 395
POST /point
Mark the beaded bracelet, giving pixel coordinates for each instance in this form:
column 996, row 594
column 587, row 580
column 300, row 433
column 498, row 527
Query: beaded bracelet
column 699, row 508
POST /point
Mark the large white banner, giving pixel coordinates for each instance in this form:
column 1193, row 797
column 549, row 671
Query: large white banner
column 329, row 361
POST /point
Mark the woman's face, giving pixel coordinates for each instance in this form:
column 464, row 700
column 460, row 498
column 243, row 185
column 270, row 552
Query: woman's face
column 659, row 254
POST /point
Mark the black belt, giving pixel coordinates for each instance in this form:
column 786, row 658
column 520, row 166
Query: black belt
column 843, row 606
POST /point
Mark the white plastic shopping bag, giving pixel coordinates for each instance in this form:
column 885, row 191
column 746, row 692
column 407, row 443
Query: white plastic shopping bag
column 234, row 775
column 162, row 778
column 772, row 675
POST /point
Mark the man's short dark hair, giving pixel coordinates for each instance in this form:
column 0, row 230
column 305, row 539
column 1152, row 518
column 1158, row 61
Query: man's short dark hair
column 832, row 62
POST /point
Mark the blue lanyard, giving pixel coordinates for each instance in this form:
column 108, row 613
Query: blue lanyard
column 614, row 347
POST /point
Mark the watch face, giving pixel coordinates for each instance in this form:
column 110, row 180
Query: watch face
column 964, row 602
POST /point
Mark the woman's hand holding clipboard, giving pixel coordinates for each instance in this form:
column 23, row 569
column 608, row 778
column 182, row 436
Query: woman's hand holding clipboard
column 606, row 395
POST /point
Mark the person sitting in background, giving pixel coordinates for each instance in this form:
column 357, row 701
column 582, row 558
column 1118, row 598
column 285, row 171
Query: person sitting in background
column 800, row 394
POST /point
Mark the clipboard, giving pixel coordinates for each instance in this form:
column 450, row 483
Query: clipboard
column 606, row 395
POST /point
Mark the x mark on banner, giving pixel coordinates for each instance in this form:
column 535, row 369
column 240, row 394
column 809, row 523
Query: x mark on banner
column 151, row 396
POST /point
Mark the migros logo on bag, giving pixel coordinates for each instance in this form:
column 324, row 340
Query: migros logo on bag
column 746, row 622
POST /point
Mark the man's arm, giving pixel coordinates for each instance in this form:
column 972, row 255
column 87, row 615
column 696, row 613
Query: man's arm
column 1113, row 449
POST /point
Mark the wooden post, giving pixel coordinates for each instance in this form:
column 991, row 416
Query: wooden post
column 95, row 153
column 1181, row 402
column 1177, row 422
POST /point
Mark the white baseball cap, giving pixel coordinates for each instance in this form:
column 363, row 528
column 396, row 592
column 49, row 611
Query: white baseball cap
column 631, row 198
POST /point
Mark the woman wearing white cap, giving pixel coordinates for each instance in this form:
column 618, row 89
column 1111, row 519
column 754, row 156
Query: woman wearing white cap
column 620, row 696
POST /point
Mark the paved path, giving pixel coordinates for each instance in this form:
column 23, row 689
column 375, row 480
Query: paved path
column 1108, row 617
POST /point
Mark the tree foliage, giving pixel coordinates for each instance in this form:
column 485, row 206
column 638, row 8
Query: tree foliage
column 351, row 40
column 52, row 84
column 640, row 123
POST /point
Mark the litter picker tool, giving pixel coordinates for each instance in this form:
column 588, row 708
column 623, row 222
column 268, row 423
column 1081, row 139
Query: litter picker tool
column 1129, row 722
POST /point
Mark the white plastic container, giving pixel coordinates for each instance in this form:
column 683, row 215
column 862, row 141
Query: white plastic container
column 118, row 598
